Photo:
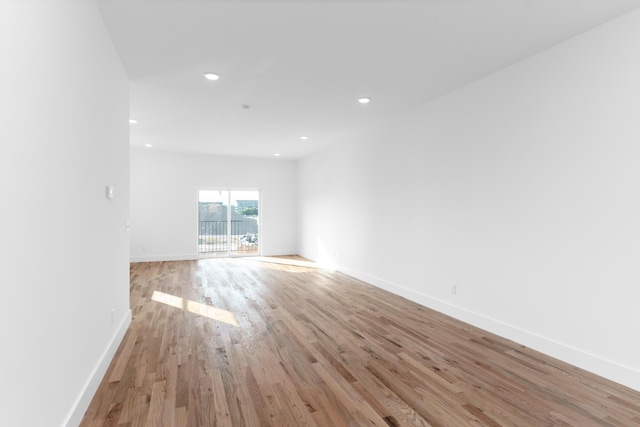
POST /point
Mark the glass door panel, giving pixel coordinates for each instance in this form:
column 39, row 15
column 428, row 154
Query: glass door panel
column 245, row 207
column 213, row 221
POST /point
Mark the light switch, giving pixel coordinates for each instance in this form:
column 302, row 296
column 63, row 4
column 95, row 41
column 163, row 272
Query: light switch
column 109, row 192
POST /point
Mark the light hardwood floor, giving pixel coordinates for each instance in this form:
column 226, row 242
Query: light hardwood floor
column 277, row 342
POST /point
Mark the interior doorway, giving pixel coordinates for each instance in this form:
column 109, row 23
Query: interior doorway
column 229, row 222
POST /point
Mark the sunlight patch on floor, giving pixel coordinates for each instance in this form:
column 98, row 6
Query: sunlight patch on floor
column 284, row 263
column 195, row 308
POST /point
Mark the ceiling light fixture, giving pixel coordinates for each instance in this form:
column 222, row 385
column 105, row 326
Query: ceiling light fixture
column 246, row 107
column 211, row 76
column 364, row 100
column 133, row 121
column 148, row 145
column 304, row 137
column 277, row 154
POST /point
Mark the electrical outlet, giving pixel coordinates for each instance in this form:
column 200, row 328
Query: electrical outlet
column 454, row 288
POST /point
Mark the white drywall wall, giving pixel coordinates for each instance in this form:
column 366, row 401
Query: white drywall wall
column 521, row 188
column 64, row 247
column 164, row 200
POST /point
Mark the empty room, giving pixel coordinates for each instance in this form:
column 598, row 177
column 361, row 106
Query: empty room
column 323, row 213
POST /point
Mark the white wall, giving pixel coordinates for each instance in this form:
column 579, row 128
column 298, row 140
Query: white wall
column 522, row 188
column 164, row 200
column 63, row 245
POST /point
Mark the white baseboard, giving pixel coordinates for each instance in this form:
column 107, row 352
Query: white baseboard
column 84, row 399
column 598, row 365
column 157, row 258
column 280, row 252
column 190, row 257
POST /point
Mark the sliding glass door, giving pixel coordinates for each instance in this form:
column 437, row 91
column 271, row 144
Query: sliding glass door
column 228, row 222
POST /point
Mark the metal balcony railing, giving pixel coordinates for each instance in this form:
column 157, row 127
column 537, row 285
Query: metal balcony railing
column 214, row 238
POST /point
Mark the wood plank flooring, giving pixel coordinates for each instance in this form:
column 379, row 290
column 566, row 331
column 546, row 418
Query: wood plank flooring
column 277, row 342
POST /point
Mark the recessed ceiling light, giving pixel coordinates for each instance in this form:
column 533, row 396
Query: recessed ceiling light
column 364, row 100
column 211, row 76
column 148, row 145
column 277, row 154
column 304, row 137
column 133, row 121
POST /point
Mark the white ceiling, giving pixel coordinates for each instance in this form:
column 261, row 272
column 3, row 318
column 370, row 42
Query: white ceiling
column 301, row 65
